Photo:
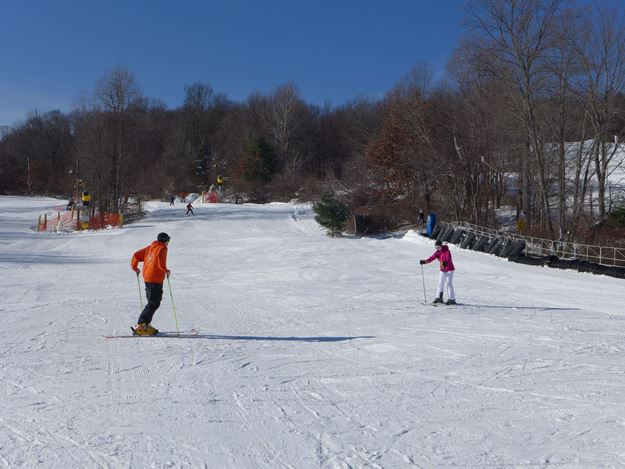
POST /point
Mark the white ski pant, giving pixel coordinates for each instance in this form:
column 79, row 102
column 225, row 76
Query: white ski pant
column 446, row 277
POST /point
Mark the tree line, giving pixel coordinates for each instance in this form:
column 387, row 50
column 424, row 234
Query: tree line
column 530, row 115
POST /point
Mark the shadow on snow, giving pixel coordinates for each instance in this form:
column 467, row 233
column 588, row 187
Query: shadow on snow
column 173, row 335
column 48, row 258
column 540, row 308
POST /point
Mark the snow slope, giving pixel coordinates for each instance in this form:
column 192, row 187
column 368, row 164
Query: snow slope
column 312, row 351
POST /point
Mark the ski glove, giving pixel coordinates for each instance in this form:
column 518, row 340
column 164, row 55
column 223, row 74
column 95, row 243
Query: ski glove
column 444, row 263
column 422, row 262
column 137, row 272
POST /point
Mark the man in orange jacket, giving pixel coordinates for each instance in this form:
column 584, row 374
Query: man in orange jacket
column 154, row 258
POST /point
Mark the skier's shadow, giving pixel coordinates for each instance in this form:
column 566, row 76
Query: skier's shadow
column 265, row 338
column 540, row 308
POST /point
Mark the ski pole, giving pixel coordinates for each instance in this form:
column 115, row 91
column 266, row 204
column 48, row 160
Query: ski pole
column 173, row 305
column 140, row 297
column 423, row 279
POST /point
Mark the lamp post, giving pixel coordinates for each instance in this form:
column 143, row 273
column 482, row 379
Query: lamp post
column 28, row 182
column 74, row 172
column 487, row 164
column 496, row 171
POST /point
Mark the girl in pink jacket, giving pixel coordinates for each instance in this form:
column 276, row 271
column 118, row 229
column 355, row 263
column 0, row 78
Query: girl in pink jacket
column 443, row 254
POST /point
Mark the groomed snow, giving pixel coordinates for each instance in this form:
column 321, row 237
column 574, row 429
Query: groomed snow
column 312, row 352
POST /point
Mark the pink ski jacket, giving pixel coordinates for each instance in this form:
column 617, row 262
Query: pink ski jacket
column 444, row 257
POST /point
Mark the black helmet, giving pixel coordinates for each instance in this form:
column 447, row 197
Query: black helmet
column 162, row 237
column 437, row 243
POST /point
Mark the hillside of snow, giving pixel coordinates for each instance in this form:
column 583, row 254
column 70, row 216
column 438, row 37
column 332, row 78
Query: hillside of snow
column 311, row 351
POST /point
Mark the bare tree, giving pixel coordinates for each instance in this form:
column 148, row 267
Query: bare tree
column 4, row 131
column 512, row 38
column 94, row 150
column 563, row 112
column 197, row 102
column 118, row 94
column 479, row 124
column 282, row 117
column 118, row 91
column 404, row 154
column 601, row 51
column 420, row 78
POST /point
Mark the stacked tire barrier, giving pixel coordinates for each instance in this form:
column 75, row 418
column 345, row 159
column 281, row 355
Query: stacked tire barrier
column 513, row 249
column 468, row 241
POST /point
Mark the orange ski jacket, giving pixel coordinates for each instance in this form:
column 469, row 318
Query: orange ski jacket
column 154, row 258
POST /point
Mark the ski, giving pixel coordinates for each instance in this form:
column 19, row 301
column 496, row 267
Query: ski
column 440, row 305
column 164, row 334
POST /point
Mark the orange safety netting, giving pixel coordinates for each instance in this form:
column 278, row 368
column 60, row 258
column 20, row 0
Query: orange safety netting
column 68, row 221
column 103, row 221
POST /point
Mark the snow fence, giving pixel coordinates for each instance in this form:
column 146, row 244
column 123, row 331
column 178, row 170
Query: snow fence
column 60, row 219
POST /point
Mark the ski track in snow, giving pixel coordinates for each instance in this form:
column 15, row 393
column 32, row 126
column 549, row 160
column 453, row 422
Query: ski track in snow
column 311, row 351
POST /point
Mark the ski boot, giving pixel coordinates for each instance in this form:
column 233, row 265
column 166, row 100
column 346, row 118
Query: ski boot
column 439, row 299
column 451, row 302
column 144, row 329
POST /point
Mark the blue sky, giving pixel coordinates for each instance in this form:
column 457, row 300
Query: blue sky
column 334, row 51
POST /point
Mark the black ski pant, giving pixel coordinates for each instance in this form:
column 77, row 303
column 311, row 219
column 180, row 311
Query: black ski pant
column 154, row 294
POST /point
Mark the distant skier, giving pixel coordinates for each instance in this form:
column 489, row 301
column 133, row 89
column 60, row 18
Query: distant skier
column 154, row 258
column 421, row 218
column 443, row 254
column 171, row 200
column 189, row 209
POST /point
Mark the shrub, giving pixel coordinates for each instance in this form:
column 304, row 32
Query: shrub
column 617, row 216
column 385, row 217
column 331, row 213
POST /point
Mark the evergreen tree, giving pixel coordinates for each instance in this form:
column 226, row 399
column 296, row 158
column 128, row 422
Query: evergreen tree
column 331, row 213
column 260, row 163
